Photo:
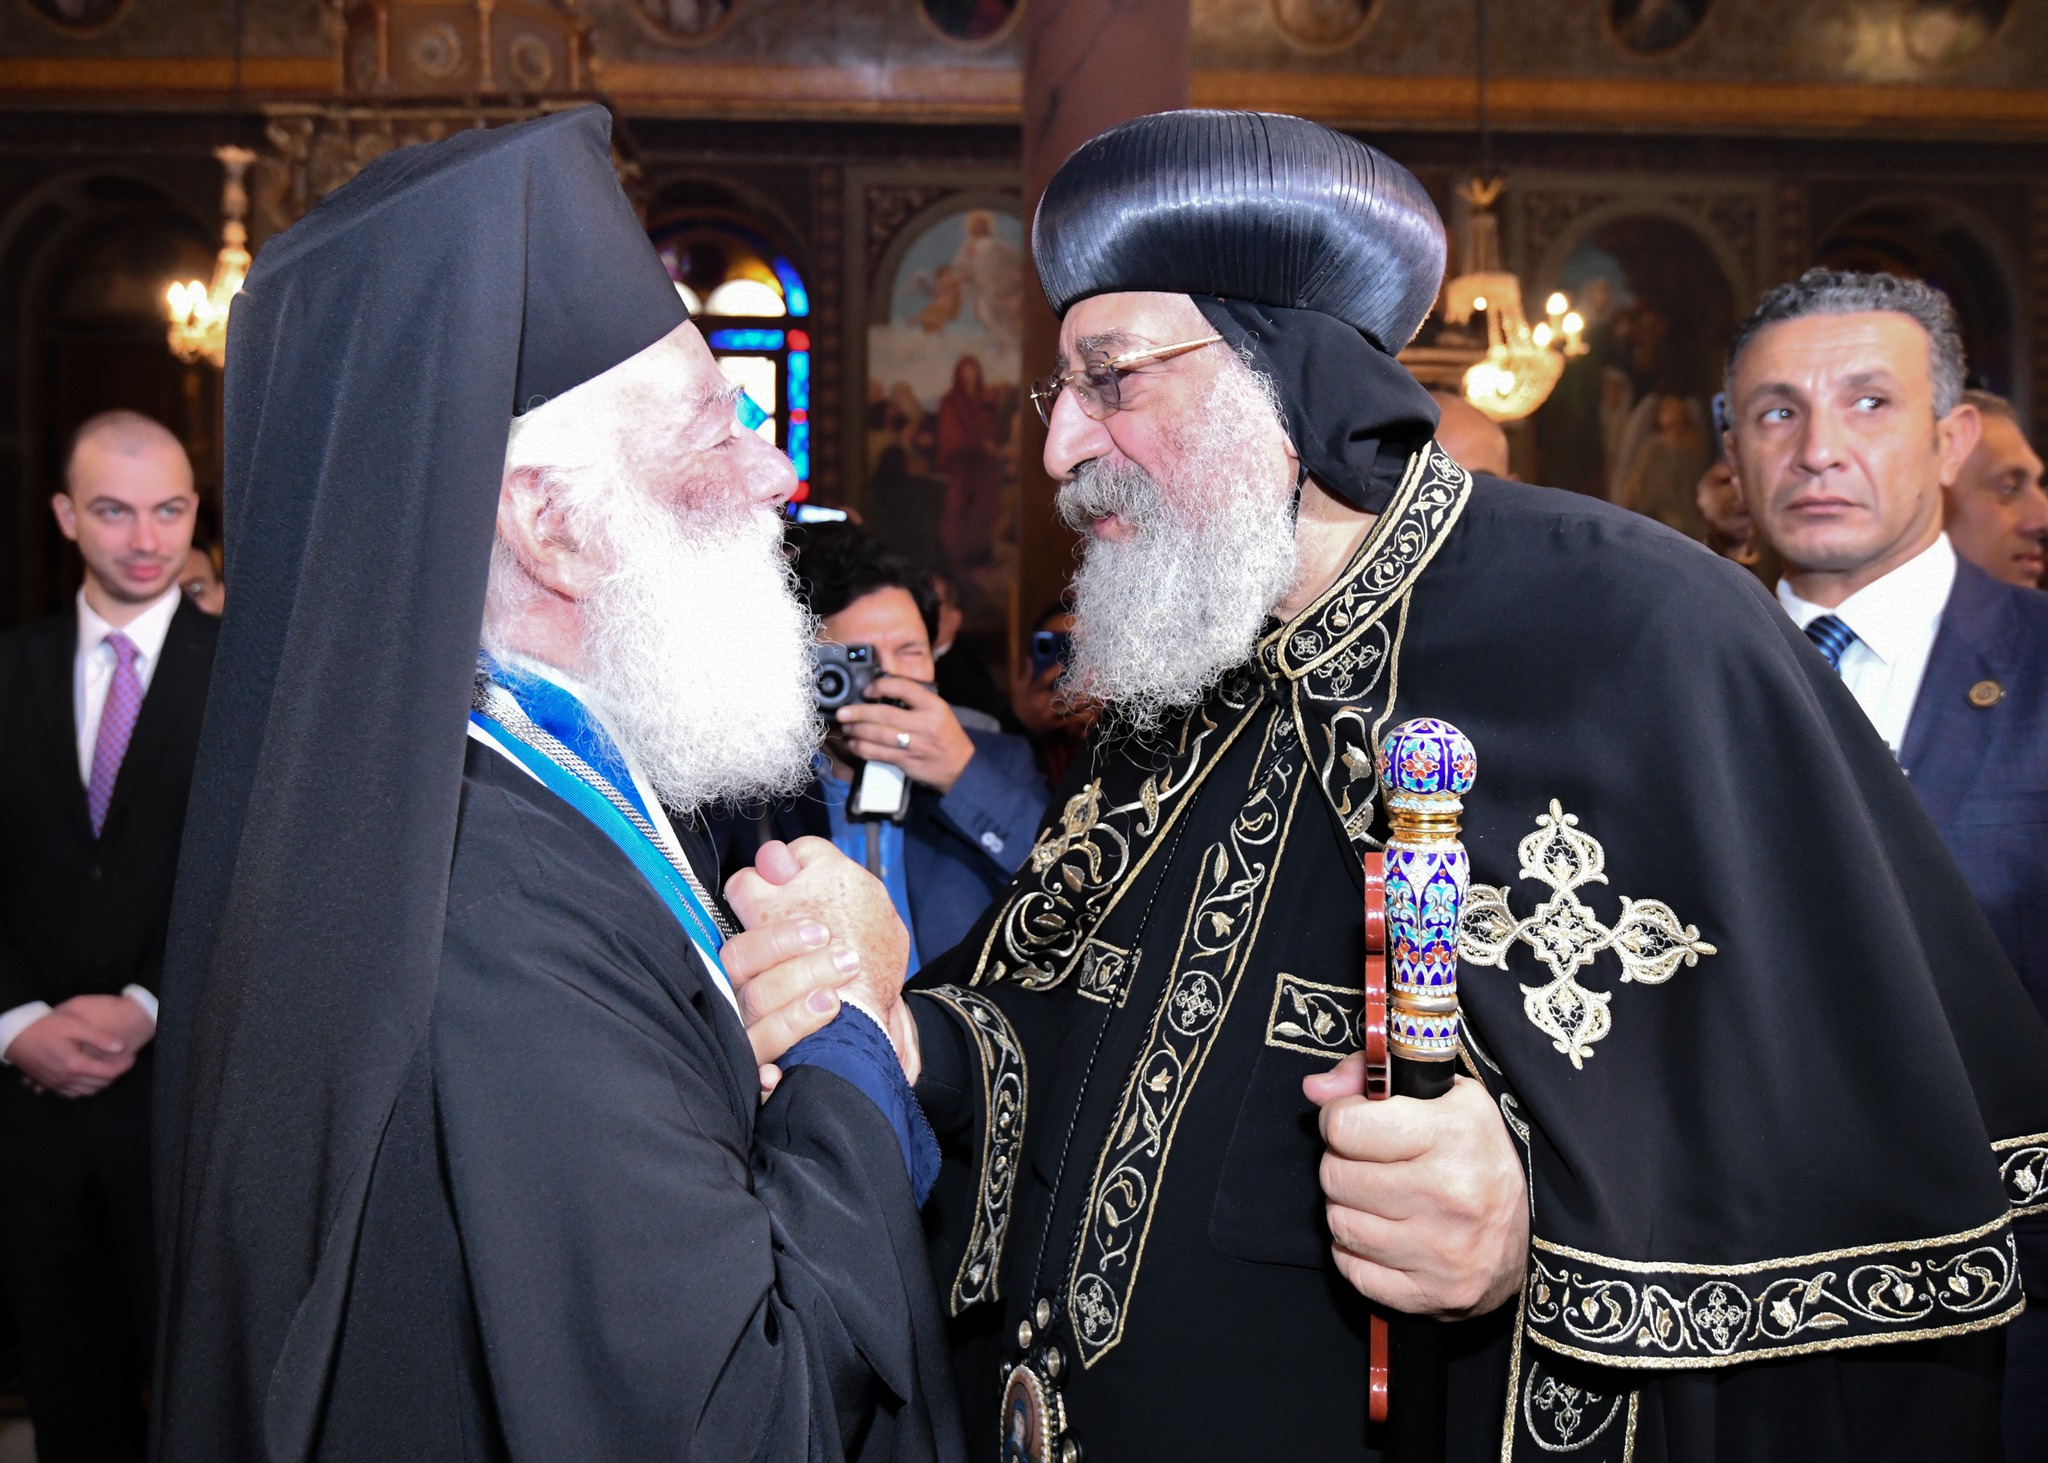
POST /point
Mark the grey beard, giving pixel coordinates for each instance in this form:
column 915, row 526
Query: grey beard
column 1161, row 616
column 697, row 649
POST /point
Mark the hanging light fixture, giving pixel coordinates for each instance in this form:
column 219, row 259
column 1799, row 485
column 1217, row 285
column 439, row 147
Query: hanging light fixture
column 198, row 311
column 1522, row 362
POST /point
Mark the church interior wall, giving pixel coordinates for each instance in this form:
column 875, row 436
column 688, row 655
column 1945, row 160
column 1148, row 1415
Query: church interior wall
column 854, row 129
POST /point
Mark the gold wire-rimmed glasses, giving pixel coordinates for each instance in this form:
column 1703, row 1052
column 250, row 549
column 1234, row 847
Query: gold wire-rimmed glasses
column 1098, row 384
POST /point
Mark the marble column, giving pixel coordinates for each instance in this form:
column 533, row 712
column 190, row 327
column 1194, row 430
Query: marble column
column 1088, row 64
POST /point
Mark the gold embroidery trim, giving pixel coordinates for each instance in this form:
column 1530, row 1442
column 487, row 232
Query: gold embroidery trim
column 2023, row 1166
column 1004, row 1094
column 1318, row 643
column 1777, row 1353
column 1567, row 1405
column 1694, row 1315
column 1565, row 934
column 1312, row 1018
column 1223, row 920
column 1079, row 871
column 1106, row 971
column 1346, row 774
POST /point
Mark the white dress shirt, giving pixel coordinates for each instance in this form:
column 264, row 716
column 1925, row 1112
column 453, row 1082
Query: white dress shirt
column 92, row 674
column 92, row 669
column 1895, row 620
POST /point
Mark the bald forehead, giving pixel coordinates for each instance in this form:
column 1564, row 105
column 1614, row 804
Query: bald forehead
column 128, row 433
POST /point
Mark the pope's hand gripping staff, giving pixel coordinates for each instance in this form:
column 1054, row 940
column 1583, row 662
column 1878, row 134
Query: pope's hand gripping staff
column 1410, row 1031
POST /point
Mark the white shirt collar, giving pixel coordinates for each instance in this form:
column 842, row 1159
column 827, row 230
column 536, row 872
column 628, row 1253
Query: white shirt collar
column 146, row 631
column 1894, row 614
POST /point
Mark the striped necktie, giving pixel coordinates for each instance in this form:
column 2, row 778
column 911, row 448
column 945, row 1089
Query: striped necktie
column 117, row 724
column 1833, row 637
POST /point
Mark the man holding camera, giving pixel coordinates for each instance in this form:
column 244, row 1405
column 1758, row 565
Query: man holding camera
column 942, row 814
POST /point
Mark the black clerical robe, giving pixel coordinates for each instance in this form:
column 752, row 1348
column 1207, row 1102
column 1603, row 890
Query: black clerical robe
column 1776, row 1091
column 585, row 1236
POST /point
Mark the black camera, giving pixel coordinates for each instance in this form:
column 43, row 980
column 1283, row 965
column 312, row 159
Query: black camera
column 841, row 674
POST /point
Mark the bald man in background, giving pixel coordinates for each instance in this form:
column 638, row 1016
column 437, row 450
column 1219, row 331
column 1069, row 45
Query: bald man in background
column 99, row 723
column 1470, row 435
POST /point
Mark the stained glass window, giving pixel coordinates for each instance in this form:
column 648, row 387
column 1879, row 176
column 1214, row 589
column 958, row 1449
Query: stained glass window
column 749, row 300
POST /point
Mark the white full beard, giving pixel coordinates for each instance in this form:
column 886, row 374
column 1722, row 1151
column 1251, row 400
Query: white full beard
column 697, row 649
column 1162, row 615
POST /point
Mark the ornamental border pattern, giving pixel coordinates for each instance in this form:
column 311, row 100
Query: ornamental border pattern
column 1223, row 921
column 1312, row 647
column 1652, row 1314
column 2023, row 1165
column 1338, row 1006
column 1083, row 865
column 1517, row 1426
column 1005, row 1091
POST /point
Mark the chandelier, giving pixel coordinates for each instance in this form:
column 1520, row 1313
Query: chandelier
column 1522, row 363
column 198, row 311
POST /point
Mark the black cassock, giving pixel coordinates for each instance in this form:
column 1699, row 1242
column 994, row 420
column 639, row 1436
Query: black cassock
column 1781, row 1101
column 459, row 1156
column 585, row 1236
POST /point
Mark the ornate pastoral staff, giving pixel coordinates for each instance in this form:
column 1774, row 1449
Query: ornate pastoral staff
column 1410, row 1027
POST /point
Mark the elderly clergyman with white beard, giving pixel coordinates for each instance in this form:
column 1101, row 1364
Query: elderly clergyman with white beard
column 1753, row 1103
column 466, row 1153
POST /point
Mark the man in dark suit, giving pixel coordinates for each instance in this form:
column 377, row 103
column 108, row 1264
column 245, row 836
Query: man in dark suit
column 1833, row 388
column 99, row 723
column 1996, row 511
column 975, row 794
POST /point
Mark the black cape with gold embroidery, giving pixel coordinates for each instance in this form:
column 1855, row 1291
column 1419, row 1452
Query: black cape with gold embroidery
column 1776, row 1089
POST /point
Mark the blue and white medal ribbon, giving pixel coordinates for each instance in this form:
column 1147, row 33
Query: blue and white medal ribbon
column 564, row 772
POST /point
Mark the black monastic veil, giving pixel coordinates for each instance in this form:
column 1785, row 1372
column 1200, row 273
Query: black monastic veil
column 459, row 1151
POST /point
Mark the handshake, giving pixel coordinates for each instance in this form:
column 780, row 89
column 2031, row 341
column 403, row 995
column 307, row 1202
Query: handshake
column 820, row 932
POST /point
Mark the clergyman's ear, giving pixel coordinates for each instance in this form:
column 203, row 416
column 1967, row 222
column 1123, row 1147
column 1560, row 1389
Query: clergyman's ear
column 533, row 526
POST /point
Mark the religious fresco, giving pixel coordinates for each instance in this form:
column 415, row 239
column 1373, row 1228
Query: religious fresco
column 944, row 397
column 1652, row 27
column 1631, row 420
column 683, row 22
column 969, row 20
column 1947, row 32
column 79, row 17
column 1322, row 25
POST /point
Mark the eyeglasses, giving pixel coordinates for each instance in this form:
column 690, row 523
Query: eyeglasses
column 1098, row 385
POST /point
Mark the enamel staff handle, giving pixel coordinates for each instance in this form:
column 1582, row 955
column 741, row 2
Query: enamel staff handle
column 1425, row 768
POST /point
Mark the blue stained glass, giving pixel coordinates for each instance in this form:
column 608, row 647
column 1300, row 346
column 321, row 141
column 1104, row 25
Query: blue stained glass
column 799, row 380
column 751, row 415
column 794, row 295
column 746, row 340
column 800, row 449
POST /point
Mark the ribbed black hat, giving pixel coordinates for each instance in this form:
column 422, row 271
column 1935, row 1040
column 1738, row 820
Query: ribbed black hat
column 1246, row 205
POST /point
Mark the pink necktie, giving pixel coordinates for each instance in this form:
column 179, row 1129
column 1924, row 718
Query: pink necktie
column 117, row 723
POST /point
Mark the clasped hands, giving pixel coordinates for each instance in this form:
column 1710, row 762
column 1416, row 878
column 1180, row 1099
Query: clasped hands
column 1427, row 1204
column 80, row 1047
column 1426, row 1201
column 820, row 930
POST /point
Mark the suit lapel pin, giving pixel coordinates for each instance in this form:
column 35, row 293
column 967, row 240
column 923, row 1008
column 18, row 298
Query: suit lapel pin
column 1986, row 694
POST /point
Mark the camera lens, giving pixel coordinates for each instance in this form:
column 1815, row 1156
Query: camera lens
column 829, row 685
